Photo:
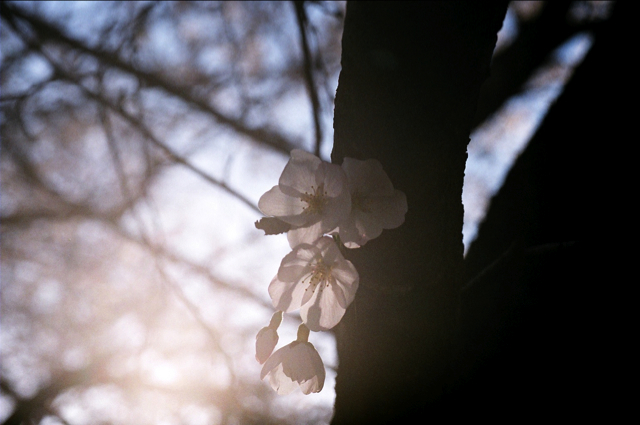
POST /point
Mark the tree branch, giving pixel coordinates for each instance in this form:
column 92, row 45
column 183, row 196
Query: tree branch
column 46, row 31
column 308, row 73
column 63, row 74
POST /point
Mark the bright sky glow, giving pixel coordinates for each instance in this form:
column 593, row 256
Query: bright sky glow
column 496, row 144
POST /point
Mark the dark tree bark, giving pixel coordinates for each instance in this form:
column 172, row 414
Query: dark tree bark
column 411, row 74
column 541, row 318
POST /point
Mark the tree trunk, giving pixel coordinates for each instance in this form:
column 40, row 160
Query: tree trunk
column 543, row 326
column 411, row 74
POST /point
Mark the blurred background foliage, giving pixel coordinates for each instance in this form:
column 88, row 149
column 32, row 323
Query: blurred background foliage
column 136, row 140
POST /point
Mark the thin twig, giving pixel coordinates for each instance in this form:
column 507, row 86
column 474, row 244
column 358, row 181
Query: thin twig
column 148, row 135
column 46, row 31
column 162, row 251
column 308, row 73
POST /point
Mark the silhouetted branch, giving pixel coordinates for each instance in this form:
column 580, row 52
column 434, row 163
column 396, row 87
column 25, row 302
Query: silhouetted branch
column 48, row 32
column 214, row 337
column 62, row 73
column 161, row 251
column 308, row 73
column 58, row 208
column 115, row 155
column 512, row 67
column 33, row 408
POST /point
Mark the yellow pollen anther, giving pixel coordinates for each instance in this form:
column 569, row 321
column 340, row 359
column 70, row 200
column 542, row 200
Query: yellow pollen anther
column 320, row 274
column 315, row 201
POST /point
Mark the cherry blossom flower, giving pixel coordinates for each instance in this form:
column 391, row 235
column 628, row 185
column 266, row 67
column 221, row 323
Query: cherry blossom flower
column 311, row 196
column 267, row 338
column 295, row 364
column 316, row 279
column 375, row 204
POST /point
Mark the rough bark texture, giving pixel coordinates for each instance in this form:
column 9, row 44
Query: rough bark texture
column 411, row 74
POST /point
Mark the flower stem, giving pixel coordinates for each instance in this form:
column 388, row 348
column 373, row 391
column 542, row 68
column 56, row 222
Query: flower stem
column 276, row 319
column 303, row 333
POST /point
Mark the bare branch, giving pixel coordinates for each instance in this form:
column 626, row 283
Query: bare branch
column 308, row 73
column 63, row 74
column 46, row 31
column 162, row 251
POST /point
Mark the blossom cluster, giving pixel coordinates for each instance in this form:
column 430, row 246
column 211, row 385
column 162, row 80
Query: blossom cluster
column 318, row 203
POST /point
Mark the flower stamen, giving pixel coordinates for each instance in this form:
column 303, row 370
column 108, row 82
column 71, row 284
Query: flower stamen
column 315, row 201
column 320, row 274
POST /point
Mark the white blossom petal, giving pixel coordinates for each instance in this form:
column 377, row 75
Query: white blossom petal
column 365, row 225
column 287, row 208
column 323, row 312
column 338, row 293
column 318, row 280
column 316, row 382
column 286, row 296
column 335, row 210
column 367, row 176
column 329, row 303
column 306, row 235
column 334, row 180
column 329, row 251
column 299, row 173
column 309, row 290
column 375, row 204
column 296, row 364
column 297, row 263
column 349, row 233
column 286, row 289
column 390, row 210
column 347, row 279
column 273, row 367
column 266, row 341
column 312, row 196
column 267, row 338
column 280, row 382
